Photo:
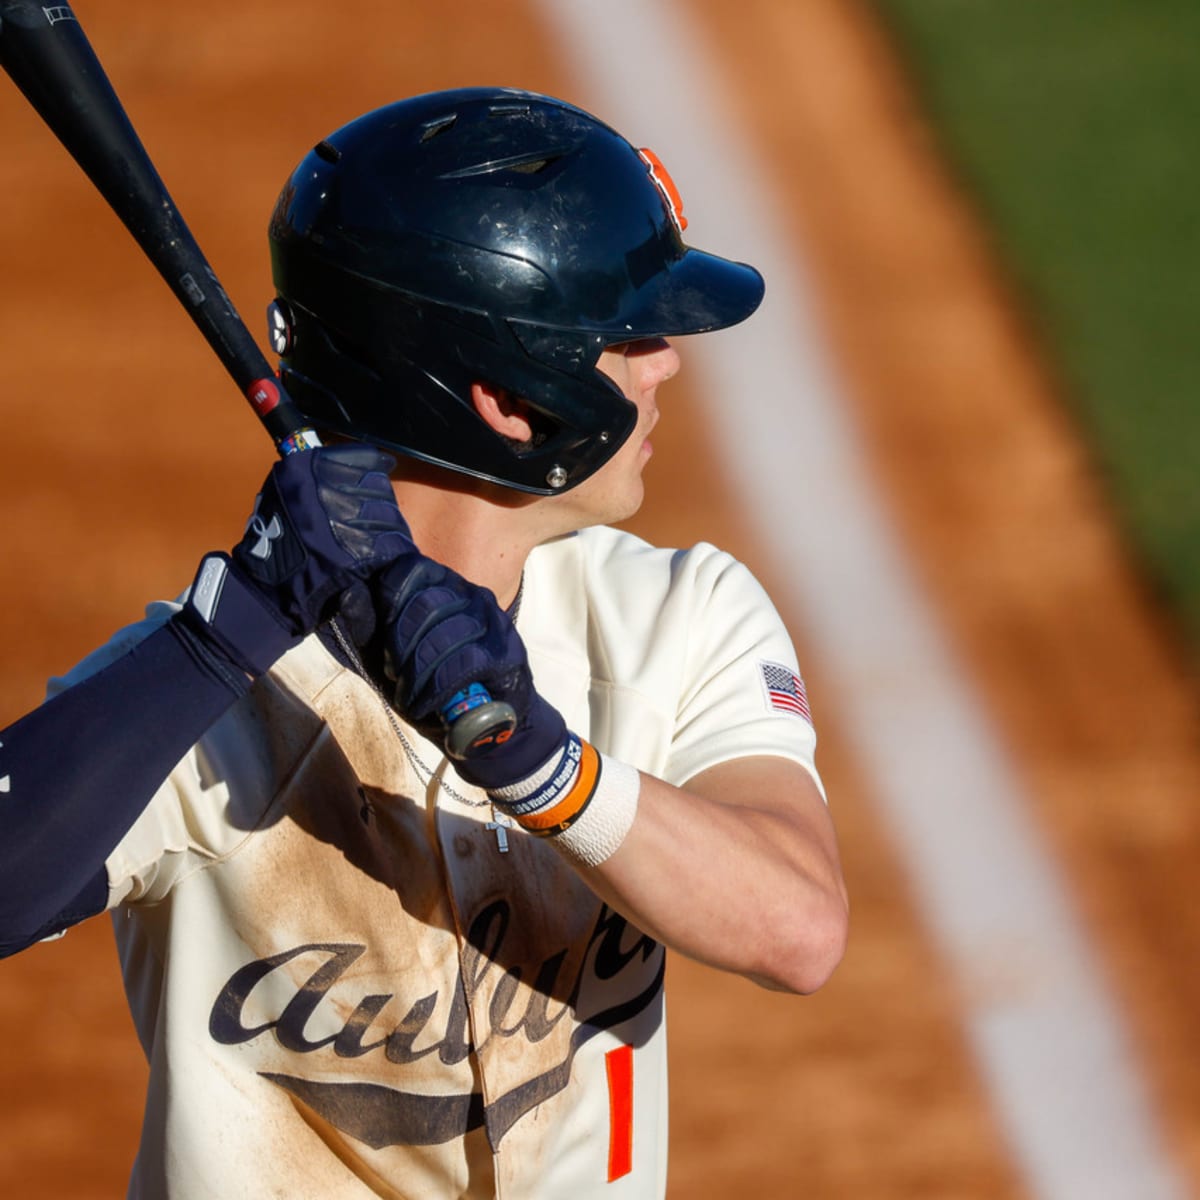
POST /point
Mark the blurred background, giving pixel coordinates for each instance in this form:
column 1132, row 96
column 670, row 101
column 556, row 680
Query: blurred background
column 1067, row 125
column 979, row 246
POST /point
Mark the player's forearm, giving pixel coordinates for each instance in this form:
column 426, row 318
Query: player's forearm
column 754, row 891
column 78, row 771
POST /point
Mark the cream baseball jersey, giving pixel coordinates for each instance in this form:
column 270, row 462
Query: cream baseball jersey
column 353, row 978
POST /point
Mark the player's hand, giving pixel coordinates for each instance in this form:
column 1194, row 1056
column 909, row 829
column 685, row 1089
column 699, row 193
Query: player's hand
column 325, row 521
column 438, row 634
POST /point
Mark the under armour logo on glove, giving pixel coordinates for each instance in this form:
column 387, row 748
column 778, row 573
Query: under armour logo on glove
column 324, row 521
column 265, row 533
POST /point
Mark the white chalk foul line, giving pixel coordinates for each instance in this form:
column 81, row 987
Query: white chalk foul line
column 1040, row 1019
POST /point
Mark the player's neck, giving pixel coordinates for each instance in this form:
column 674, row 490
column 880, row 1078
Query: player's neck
column 485, row 537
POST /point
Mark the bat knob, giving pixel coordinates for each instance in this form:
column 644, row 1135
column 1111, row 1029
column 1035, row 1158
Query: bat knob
column 474, row 721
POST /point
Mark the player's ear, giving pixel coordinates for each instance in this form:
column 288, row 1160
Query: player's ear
column 502, row 411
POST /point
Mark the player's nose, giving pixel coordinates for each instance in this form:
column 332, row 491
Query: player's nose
column 658, row 361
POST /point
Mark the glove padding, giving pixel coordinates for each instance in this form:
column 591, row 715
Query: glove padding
column 440, row 633
column 325, row 521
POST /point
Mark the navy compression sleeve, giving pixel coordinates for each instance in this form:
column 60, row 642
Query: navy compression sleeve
column 77, row 772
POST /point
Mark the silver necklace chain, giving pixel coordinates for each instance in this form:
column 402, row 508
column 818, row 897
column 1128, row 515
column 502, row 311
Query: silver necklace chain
column 424, row 773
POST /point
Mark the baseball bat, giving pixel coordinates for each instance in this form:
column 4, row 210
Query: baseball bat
column 45, row 52
column 47, row 55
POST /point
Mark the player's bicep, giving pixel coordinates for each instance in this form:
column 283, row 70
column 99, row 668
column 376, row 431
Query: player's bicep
column 780, row 792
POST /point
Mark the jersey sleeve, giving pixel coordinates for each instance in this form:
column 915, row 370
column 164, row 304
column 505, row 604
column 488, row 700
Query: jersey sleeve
column 741, row 692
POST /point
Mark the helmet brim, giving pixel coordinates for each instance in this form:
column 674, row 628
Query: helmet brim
column 698, row 293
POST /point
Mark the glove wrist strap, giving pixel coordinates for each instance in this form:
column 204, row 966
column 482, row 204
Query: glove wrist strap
column 233, row 615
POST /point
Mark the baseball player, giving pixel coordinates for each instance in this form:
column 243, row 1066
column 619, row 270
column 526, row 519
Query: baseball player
column 360, row 966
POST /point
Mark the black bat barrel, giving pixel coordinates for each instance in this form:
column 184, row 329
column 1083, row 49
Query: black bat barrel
column 44, row 50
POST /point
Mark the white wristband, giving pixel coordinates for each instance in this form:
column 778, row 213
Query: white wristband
column 602, row 826
column 583, row 800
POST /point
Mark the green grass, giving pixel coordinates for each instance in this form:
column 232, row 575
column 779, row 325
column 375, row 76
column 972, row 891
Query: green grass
column 1074, row 124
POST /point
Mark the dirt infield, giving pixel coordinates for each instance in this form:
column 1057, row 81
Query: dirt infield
column 127, row 455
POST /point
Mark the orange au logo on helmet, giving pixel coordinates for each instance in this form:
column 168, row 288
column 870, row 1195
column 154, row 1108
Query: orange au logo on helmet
column 666, row 185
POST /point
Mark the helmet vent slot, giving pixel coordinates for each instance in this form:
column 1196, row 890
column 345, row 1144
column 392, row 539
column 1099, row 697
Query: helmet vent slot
column 531, row 168
column 327, row 151
column 439, row 126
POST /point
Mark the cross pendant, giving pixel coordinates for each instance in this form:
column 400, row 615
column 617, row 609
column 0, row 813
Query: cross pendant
column 501, row 824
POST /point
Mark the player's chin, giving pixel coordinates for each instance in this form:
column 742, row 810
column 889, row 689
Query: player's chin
column 616, row 492
column 630, row 501
column 617, row 504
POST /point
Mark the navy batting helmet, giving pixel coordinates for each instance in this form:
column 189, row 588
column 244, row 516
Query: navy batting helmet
column 488, row 235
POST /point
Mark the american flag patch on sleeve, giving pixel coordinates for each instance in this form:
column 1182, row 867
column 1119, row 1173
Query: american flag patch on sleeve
column 784, row 690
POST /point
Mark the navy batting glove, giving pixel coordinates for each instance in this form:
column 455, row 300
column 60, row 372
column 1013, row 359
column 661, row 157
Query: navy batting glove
column 441, row 633
column 325, row 521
